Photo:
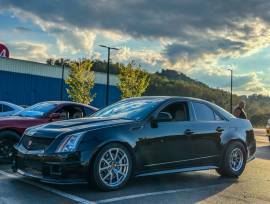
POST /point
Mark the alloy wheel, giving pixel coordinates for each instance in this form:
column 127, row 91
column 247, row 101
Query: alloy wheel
column 114, row 167
column 236, row 159
column 6, row 147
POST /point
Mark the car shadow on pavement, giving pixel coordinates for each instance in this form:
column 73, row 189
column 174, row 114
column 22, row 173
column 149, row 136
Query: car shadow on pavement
column 187, row 184
column 263, row 152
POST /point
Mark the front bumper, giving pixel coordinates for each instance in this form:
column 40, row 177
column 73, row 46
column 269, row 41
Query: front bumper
column 64, row 168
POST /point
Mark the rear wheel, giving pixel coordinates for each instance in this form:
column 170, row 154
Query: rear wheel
column 234, row 161
column 112, row 167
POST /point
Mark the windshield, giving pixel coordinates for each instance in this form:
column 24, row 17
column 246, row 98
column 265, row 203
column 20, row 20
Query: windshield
column 130, row 109
column 37, row 110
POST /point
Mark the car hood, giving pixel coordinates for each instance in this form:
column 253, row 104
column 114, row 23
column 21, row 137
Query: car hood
column 75, row 125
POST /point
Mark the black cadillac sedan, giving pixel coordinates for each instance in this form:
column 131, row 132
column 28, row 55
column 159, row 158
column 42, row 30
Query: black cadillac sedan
column 137, row 137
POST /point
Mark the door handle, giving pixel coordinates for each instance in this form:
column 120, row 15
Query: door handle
column 188, row 132
column 219, row 129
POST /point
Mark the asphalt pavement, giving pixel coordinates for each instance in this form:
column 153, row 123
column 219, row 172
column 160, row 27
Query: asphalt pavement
column 193, row 187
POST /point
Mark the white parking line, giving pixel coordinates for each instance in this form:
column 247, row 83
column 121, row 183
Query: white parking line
column 158, row 193
column 51, row 190
column 121, row 198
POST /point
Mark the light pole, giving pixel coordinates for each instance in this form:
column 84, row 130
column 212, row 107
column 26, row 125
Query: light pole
column 108, row 71
column 231, row 89
column 62, row 79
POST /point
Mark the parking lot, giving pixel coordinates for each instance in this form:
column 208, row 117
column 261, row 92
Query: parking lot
column 252, row 187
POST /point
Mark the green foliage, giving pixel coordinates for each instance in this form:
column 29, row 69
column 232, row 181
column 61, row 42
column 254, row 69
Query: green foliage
column 133, row 81
column 80, row 82
column 161, row 85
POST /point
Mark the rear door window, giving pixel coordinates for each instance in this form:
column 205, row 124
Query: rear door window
column 203, row 112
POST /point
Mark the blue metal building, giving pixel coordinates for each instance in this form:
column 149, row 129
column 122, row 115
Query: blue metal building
column 25, row 83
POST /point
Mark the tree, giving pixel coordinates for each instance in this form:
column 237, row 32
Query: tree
column 133, row 81
column 58, row 61
column 80, row 82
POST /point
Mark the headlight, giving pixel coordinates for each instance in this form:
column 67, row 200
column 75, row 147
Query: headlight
column 69, row 143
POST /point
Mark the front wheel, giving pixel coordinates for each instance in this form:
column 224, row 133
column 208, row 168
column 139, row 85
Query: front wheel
column 112, row 167
column 234, row 161
column 6, row 149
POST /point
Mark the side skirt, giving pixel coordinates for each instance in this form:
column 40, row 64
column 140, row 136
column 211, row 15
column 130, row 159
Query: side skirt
column 173, row 171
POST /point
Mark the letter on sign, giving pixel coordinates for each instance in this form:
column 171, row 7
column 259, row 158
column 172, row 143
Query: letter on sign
column 4, row 51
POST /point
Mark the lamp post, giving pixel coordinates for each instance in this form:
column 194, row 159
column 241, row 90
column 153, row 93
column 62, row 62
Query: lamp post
column 62, row 79
column 231, row 89
column 108, row 71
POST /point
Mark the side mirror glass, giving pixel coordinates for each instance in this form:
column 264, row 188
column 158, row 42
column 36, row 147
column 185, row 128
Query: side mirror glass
column 54, row 116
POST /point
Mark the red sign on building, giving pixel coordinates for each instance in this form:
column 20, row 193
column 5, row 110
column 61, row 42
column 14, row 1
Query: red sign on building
column 3, row 51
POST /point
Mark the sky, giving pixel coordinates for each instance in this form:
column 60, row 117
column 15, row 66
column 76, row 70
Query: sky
column 200, row 38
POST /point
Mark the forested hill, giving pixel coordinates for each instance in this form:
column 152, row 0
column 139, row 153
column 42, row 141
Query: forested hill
column 174, row 75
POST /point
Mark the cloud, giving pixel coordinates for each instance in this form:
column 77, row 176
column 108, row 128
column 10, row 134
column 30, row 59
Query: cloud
column 196, row 26
column 22, row 29
column 157, row 18
column 148, row 56
column 194, row 34
column 30, row 51
column 242, row 83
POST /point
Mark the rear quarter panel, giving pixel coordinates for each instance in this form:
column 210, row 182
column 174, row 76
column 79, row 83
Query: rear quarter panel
column 241, row 130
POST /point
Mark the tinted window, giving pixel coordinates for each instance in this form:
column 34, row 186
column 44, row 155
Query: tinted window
column 88, row 111
column 38, row 110
column 203, row 112
column 71, row 112
column 7, row 108
column 178, row 111
column 223, row 112
column 217, row 117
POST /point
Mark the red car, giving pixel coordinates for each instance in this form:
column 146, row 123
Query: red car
column 12, row 128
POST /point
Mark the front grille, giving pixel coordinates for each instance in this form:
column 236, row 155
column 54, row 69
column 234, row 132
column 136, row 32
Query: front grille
column 33, row 167
column 35, row 143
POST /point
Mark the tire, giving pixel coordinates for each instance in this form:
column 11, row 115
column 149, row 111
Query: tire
column 112, row 167
column 7, row 140
column 234, row 161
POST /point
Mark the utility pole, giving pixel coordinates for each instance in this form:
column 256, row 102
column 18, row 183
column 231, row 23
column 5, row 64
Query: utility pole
column 231, row 89
column 108, row 72
column 62, row 80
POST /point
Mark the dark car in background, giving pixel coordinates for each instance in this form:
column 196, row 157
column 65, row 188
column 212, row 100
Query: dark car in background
column 11, row 128
column 137, row 137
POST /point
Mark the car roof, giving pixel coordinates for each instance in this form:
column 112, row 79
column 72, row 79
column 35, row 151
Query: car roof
column 11, row 105
column 225, row 113
column 68, row 103
column 167, row 98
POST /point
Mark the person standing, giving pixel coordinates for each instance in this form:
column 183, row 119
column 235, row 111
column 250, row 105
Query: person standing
column 239, row 111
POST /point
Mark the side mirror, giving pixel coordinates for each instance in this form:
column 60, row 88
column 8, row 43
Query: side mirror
column 54, row 116
column 162, row 117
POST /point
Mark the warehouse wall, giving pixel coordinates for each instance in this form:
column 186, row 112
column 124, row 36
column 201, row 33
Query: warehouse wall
column 25, row 83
